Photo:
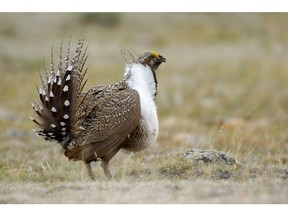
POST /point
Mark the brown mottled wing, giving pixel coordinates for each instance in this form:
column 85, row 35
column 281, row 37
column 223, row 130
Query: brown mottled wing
column 113, row 118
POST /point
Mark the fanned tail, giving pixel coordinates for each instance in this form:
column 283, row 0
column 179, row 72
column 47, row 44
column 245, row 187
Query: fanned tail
column 60, row 96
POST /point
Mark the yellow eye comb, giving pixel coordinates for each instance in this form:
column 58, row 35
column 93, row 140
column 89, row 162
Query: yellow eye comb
column 154, row 54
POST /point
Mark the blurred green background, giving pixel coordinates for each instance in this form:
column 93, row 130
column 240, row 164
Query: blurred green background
column 224, row 84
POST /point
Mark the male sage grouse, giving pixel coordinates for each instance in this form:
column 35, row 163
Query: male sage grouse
column 96, row 124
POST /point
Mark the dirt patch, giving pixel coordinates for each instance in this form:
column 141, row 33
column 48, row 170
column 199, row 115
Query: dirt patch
column 164, row 191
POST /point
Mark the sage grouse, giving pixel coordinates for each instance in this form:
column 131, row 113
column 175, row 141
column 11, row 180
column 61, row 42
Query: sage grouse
column 96, row 124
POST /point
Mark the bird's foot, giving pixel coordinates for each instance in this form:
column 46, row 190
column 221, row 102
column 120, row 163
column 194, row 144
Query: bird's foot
column 105, row 167
column 89, row 171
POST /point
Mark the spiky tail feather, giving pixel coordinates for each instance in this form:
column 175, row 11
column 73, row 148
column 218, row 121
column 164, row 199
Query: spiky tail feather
column 57, row 113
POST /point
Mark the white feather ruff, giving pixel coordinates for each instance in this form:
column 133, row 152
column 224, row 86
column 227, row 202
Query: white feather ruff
column 141, row 78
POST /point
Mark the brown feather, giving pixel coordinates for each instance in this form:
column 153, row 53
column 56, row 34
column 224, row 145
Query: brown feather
column 122, row 110
column 59, row 95
column 96, row 123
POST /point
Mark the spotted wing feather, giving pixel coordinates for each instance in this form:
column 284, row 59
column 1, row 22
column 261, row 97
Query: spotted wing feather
column 113, row 118
column 60, row 96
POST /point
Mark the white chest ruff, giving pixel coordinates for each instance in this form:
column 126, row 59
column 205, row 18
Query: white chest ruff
column 142, row 80
column 149, row 116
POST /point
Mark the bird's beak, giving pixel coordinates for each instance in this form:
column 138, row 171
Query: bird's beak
column 161, row 59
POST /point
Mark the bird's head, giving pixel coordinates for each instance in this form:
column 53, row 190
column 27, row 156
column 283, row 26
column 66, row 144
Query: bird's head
column 138, row 76
column 152, row 59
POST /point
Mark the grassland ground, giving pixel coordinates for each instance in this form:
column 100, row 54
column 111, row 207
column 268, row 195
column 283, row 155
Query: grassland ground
column 224, row 87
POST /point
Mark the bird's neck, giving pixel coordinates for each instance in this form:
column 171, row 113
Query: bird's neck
column 142, row 79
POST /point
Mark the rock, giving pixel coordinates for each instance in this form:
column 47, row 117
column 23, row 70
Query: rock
column 14, row 133
column 208, row 156
column 7, row 116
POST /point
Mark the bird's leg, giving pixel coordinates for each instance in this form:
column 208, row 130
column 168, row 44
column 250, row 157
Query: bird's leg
column 105, row 167
column 89, row 170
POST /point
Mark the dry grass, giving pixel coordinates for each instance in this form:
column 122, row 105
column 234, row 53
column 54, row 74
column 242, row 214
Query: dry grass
column 223, row 87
